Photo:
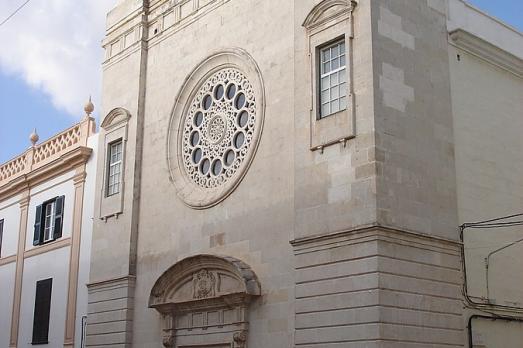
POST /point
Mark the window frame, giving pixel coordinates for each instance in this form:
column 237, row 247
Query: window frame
column 323, row 28
column 320, row 75
column 41, row 224
column 114, row 127
column 49, row 224
column 117, row 164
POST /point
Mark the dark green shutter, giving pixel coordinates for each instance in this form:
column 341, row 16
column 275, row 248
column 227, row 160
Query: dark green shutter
column 58, row 217
column 37, row 237
column 42, row 311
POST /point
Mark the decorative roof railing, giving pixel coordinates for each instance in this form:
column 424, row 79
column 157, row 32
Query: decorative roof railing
column 39, row 155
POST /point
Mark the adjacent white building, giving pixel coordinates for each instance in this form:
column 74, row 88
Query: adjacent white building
column 46, row 209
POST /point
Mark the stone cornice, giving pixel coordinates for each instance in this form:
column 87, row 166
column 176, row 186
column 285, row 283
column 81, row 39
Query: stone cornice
column 151, row 25
column 374, row 231
column 62, row 146
column 68, row 161
column 124, row 281
column 486, row 51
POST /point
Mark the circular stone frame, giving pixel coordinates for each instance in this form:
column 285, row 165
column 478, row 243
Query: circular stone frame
column 192, row 194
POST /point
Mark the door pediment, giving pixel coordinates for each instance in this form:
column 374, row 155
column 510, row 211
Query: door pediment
column 205, row 297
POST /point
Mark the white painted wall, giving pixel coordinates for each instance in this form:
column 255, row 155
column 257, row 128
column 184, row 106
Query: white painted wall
column 61, row 185
column 488, row 123
column 85, row 245
column 10, row 212
column 462, row 15
column 497, row 334
column 7, row 283
column 53, row 264
column 487, row 104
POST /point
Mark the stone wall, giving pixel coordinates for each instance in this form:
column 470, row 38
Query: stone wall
column 354, row 241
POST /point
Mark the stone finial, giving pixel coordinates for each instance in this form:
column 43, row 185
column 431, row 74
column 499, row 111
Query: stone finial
column 89, row 107
column 33, row 137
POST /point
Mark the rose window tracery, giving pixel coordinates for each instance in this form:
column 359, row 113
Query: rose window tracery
column 215, row 127
column 218, row 128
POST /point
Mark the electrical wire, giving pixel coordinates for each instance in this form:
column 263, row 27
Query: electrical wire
column 14, row 12
column 491, row 220
column 491, row 223
column 496, row 225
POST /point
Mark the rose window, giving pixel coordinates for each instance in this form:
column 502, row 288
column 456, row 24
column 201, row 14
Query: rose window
column 218, row 128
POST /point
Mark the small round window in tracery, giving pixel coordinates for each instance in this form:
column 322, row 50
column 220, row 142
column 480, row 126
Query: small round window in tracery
column 218, row 128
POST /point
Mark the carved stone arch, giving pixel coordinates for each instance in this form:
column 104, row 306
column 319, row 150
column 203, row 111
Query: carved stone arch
column 328, row 10
column 204, row 301
column 115, row 117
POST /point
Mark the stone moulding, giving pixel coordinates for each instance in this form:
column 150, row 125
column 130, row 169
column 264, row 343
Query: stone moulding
column 63, row 163
column 204, row 300
column 486, row 51
column 190, row 280
column 115, row 117
column 192, row 194
column 328, row 21
column 328, row 10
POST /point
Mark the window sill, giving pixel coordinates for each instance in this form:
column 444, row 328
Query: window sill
column 334, row 128
column 43, row 248
column 334, row 114
column 39, row 343
column 46, row 242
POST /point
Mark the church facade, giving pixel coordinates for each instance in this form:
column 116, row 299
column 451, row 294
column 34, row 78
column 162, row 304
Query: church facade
column 293, row 173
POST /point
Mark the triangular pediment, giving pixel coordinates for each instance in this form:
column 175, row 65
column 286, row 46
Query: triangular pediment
column 327, row 10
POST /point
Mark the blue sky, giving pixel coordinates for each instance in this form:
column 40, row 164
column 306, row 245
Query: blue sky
column 51, row 57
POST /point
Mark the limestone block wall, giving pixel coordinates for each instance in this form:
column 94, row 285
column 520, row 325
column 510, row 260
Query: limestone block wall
column 113, row 257
column 373, row 286
column 254, row 223
column 335, row 188
column 355, row 242
column 376, row 287
column 413, row 113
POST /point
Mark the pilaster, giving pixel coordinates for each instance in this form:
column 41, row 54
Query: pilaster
column 74, row 261
column 15, row 314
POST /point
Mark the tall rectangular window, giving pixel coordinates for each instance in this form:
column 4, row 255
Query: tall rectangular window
column 42, row 311
column 333, row 78
column 49, row 218
column 114, row 167
column 1, row 234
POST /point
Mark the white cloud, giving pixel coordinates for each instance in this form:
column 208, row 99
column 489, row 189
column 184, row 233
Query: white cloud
column 55, row 46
